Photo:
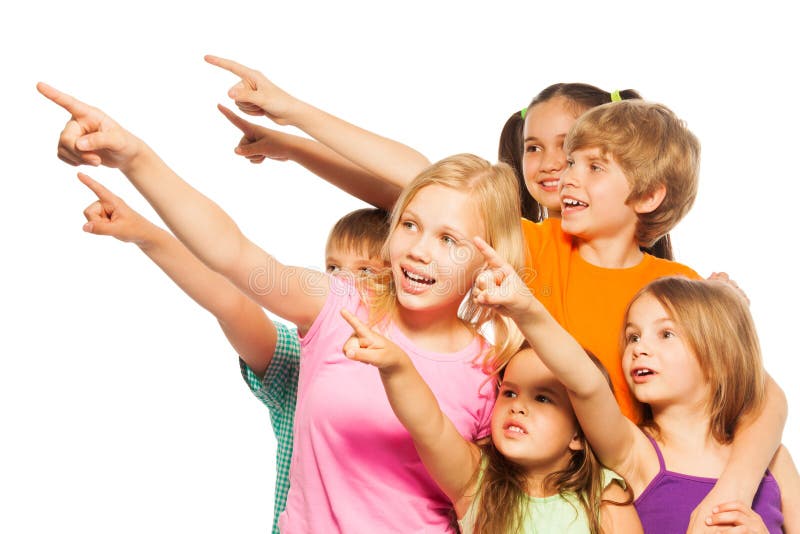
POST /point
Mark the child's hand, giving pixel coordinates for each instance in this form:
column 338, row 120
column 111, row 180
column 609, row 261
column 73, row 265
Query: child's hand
column 736, row 514
column 723, row 277
column 366, row 345
column 500, row 287
column 109, row 215
column 257, row 143
column 255, row 94
column 91, row 137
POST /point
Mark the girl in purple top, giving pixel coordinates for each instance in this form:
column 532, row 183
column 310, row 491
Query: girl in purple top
column 692, row 358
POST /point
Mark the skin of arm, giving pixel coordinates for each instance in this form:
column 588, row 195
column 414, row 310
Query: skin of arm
column 251, row 333
column 259, row 143
column 91, row 137
column 449, row 458
column 757, row 438
column 393, row 162
column 616, row 518
column 618, row 443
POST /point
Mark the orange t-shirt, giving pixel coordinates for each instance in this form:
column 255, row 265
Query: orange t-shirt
column 589, row 301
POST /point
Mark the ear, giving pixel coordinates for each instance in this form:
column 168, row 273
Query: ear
column 651, row 201
column 576, row 443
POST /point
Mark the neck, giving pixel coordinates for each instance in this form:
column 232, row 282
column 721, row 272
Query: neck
column 686, row 425
column 611, row 253
column 434, row 330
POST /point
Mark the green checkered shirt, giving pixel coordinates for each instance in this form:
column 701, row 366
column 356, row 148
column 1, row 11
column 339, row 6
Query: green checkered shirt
column 278, row 391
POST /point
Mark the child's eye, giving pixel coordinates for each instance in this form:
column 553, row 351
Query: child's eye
column 543, row 399
column 332, row 269
column 507, row 393
column 596, row 168
column 666, row 334
column 632, row 338
column 408, row 225
column 570, row 162
column 533, row 148
column 366, row 270
column 449, row 241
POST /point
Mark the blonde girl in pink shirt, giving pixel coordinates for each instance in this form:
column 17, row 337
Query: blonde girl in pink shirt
column 355, row 468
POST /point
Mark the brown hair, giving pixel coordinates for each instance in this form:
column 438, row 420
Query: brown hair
column 716, row 325
column 364, row 230
column 654, row 149
column 502, row 492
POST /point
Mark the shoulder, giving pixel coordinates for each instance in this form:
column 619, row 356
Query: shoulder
column 660, row 267
column 617, row 513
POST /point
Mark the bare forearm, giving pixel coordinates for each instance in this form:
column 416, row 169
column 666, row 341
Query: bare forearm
column 209, row 233
column 757, row 439
column 414, row 403
column 343, row 173
column 394, row 162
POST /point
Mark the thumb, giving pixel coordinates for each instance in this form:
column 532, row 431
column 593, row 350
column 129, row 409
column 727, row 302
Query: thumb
column 94, row 141
column 99, row 227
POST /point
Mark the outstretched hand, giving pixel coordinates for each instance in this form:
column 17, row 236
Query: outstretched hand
column 91, row 137
column 257, row 143
column 499, row 286
column 109, row 215
column 254, row 94
column 368, row 346
column 738, row 517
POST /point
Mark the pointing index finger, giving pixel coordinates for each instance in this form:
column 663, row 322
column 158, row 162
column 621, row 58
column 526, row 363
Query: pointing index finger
column 359, row 327
column 71, row 104
column 96, row 187
column 246, row 128
column 229, row 65
column 492, row 257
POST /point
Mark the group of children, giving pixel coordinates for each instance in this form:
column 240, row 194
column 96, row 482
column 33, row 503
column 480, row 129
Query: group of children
column 620, row 392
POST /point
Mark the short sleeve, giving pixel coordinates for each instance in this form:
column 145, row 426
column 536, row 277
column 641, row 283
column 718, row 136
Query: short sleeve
column 278, row 389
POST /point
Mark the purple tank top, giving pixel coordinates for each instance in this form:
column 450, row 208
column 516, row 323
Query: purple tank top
column 666, row 503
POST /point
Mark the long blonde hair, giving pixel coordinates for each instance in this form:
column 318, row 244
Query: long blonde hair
column 716, row 325
column 496, row 195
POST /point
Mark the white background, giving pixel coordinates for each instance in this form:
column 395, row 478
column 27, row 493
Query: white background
column 121, row 404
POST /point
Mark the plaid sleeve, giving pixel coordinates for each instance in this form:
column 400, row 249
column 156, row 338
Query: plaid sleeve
column 278, row 389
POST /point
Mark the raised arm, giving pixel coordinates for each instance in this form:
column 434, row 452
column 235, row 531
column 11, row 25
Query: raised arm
column 392, row 162
column 259, row 143
column 251, row 333
column 612, row 435
column 91, row 137
column 450, row 459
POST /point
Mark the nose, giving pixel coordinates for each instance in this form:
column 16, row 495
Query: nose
column 420, row 250
column 639, row 350
column 554, row 160
column 567, row 178
column 517, row 408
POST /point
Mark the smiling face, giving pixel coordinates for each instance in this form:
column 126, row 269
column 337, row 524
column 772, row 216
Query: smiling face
column 433, row 259
column 660, row 368
column 594, row 194
column 533, row 424
column 546, row 126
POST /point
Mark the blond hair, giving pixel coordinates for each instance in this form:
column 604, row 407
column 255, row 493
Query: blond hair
column 654, row 148
column 716, row 325
column 363, row 230
column 495, row 193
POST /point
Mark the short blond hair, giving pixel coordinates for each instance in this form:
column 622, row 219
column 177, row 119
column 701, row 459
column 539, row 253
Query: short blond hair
column 654, row 148
column 363, row 230
column 715, row 323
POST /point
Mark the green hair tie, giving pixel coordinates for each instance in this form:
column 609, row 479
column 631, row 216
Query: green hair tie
column 615, row 96
column 523, row 113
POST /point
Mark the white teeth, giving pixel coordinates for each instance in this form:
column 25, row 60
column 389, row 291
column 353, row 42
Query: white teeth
column 643, row 372
column 572, row 202
column 417, row 278
column 550, row 183
column 514, row 428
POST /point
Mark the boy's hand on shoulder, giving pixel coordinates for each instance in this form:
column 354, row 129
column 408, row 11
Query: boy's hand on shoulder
column 738, row 517
column 723, row 277
column 110, row 215
column 368, row 346
column 255, row 94
column 91, row 137
column 257, row 143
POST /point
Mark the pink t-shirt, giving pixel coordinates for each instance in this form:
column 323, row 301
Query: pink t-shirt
column 355, row 468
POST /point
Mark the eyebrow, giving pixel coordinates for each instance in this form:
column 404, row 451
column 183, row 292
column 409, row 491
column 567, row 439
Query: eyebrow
column 534, row 138
column 447, row 229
